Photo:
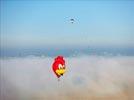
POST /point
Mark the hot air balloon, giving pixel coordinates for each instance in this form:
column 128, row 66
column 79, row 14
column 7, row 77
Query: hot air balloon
column 72, row 20
column 58, row 66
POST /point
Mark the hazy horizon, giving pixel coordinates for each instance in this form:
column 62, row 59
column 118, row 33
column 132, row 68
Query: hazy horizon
column 67, row 51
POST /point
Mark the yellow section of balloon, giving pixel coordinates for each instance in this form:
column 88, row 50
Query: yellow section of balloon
column 60, row 71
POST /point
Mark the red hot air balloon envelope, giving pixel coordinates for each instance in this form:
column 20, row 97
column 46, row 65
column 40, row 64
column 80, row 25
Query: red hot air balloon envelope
column 58, row 66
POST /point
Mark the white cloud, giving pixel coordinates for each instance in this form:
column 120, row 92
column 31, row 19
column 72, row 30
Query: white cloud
column 32, row 77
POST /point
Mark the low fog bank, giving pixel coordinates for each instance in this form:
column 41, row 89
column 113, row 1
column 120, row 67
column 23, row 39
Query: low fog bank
column 87, row 77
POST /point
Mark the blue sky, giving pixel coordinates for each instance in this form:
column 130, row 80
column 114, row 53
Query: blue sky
column 41, row 23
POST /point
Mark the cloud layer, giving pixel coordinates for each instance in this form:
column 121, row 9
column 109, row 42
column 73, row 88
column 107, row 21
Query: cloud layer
column 94, row 77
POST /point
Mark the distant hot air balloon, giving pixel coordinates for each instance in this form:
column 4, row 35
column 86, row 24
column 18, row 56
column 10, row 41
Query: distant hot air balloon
column 58, row 66
column 72, row 21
